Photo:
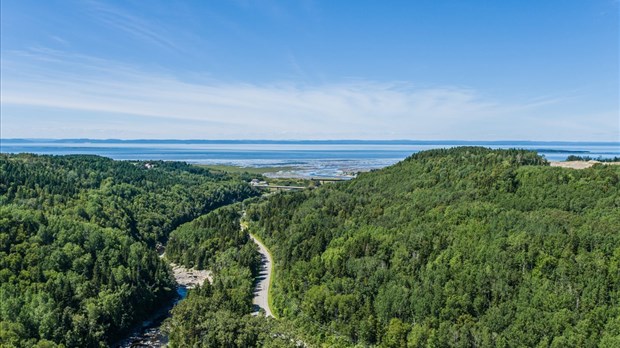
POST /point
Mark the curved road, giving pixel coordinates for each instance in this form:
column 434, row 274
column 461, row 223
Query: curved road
column 261, row 292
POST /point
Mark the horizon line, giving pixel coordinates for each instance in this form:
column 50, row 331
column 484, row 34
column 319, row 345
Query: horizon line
column 316, row 141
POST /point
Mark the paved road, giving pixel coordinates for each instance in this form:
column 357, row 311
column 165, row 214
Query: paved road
column 262, row 287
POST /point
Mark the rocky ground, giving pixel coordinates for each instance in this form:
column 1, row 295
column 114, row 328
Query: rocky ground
column 190, row 277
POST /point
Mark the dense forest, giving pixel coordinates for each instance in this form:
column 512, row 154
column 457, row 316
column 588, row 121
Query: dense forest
column 78, row 265
column 588, row 158
column 464, row 247
column 218, row 314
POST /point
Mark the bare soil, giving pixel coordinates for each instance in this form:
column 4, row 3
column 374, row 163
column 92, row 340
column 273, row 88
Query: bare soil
column 579, row 164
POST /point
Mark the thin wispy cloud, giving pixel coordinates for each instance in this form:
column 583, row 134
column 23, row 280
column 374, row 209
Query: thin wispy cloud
column 307, row 69
column 350, row 109
column 60, row 40
column 131, row 24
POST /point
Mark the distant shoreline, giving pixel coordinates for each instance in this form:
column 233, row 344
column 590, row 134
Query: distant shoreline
column 296, row 159
column 308, row 141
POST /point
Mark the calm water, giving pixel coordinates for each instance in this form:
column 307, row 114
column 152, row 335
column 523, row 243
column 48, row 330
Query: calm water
column 311, row 158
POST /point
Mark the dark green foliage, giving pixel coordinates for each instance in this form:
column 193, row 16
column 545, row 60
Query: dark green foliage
column 217, row 315
column 207, row 319
column 460, row 247
column 77, row 236
column 196, row 243
column 147, row 202
column 588, row 158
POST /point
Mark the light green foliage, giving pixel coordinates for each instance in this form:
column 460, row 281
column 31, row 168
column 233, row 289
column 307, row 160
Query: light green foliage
column 217, row 315
column 452, row 248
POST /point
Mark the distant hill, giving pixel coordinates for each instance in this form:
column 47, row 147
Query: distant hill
column 515, row 143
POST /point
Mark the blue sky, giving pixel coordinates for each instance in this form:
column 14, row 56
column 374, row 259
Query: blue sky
column 424, row 69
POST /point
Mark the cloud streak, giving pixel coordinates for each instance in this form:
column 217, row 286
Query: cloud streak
column 350, row 109
column 131, row 24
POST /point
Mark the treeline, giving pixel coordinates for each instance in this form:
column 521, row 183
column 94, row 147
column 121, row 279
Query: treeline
column 149, row 203
column 197, row 243
column 588, row 158
column 218, row 314
column 77, row 236
column 465, row 247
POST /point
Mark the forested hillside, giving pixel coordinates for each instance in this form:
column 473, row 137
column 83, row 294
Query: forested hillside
column 462, row 247
column 466, row 247
column 213, row 312
column 218, row 314
column 78, row 265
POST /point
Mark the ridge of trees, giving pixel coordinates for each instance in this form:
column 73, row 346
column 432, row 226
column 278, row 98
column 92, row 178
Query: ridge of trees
column 456, row 247
column 218, row 314
column 589, row 158
column 78, row 266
